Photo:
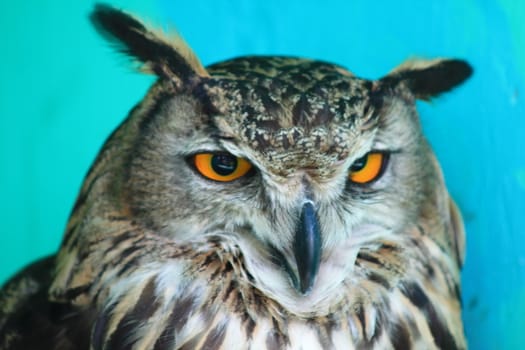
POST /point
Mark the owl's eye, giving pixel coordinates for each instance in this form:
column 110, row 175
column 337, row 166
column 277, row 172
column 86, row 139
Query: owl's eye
column 367, row 168
column 223, row 167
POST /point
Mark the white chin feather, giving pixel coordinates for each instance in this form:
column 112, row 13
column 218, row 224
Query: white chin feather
column 336, row 267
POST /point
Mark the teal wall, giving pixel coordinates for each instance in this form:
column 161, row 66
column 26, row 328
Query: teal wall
column 62, row 90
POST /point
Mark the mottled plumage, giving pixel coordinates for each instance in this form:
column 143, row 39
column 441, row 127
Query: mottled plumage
column 295, row 253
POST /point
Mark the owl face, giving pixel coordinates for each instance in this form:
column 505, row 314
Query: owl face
column 267, row 150
column 298, row 162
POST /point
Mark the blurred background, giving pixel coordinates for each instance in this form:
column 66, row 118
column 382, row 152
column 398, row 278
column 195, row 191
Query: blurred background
column 63, row 90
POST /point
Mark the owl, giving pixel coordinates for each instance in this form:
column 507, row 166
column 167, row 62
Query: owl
column 258, row 203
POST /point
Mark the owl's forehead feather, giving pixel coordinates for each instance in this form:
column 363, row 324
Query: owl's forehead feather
column 284, row 67
column 285, row 105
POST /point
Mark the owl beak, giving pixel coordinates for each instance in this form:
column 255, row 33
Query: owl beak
column 307, row 247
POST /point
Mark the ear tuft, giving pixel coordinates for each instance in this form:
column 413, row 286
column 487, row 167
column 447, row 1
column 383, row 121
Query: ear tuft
column 429, row 78
column 168, row 59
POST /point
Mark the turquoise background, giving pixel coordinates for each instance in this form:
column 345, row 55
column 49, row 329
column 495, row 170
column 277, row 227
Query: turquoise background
column 62, row 91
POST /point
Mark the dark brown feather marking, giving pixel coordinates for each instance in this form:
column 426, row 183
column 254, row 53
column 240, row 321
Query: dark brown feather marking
column 229, row 290
column 360, row 313
column 362, row 255
column 100, row 329
column 73, row 293
column 377, row 278
column 190, row 344
column 144, row 308
column 300, row 111
column 324, row 328
column 182, row 311
column 70, row 232
column 368, row 343
column 399, row 335
column 166, row 340
column 176, row 321
column 274, row 341
column 249, row 324
column 214, row 338
column 442, row 337
column 147, row 303
column 130, row 264
column 160, row 102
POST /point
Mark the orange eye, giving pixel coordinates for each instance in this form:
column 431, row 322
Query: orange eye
column 223, row 167
column 368, row 168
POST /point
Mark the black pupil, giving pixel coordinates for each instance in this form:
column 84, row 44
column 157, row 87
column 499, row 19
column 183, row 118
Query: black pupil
column 224, row 164
column 359, row 163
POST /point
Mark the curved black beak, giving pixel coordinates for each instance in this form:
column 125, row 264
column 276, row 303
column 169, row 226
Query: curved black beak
column 307, row 247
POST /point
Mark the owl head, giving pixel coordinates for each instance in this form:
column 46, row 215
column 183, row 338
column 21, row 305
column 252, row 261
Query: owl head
column 297, row 163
